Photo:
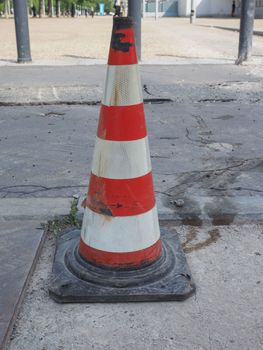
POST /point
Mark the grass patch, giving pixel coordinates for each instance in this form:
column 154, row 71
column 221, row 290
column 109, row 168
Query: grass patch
column 60, row 223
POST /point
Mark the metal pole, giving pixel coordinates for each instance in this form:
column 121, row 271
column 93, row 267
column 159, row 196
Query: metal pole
column 193, row 12
column 246, row 30
column 156, row 9
column 22, row 31
column 134, row 11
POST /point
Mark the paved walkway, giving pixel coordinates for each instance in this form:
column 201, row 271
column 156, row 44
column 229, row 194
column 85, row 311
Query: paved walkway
column 205, row 127
column 81, row 40
column 227, row 22
column 205, row 139
column 230, row 24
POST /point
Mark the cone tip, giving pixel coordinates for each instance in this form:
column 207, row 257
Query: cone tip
column 122, row 22
column 122, row 48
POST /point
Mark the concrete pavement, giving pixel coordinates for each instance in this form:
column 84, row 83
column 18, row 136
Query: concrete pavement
column 21, row 243
column 22, row 237
column 205, row 129
column 226, row 312
column 43, row 85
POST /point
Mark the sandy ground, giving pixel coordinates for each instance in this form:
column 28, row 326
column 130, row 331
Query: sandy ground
column 70, row 39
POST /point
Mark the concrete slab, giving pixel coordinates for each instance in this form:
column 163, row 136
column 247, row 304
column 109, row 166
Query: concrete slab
column 206, row 153
column 205, row 149
column 20, row 244
column 81, row 84
column 226, row 312
column 199, row 210
column 34, row 208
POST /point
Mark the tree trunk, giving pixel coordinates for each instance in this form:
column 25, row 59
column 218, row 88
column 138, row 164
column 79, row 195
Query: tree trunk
column 7, row 8
column 50, row 8
column 58, row 13
column 41, row 8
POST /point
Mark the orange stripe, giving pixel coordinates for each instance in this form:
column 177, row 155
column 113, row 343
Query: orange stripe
column 122, row 123
column 122, row 49
column 121, row 260
column 120, row 197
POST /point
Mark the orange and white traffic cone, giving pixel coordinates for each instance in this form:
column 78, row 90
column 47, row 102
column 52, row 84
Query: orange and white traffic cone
column 120, row 226
column 120, row 256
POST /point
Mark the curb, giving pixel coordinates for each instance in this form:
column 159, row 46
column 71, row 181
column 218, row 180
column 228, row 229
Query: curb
column 198, row 211
column 233, row 29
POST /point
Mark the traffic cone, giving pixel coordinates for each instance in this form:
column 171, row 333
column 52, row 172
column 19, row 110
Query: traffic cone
column 119, row 255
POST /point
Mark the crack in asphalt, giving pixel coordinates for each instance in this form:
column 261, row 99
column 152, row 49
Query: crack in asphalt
column 240, row 163
column 145, row 88
column 154, row 100
column 201, row 140
column 218, row 100
column 7, row 190
column 49, row 103
column 236, row 189
column 24, row 190
column 217, row 180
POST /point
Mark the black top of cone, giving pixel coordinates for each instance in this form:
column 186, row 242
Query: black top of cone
column 122, row 22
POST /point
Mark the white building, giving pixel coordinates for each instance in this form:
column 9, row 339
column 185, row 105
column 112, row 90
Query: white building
column 204, row 8
column 218, row 8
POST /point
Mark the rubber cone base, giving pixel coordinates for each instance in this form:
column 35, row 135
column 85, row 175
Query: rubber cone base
column 73, row 280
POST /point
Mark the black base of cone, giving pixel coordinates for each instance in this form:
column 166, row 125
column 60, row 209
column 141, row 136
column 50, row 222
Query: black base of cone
column 73, row 280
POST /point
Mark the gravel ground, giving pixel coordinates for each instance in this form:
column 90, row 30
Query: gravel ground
column 77, row 39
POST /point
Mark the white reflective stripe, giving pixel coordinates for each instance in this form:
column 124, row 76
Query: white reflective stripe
column 121, row 159
column 122, row 233
column 123, row 86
